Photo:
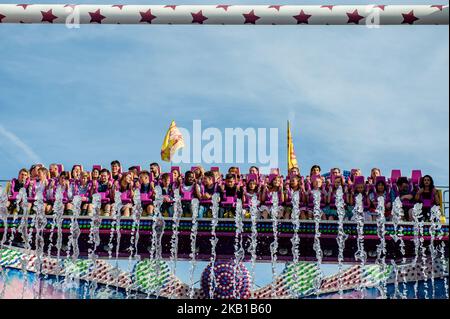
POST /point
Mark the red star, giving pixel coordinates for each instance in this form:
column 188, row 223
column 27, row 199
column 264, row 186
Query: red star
column 96, row 16
column 2, row 17
column 223, row 6
column 198, row 17
column 147, row 16
column 329, row 6
column 409, row 18
column 48, row 16
column 250, row 17
column 171, row 6
column 302, row 17
column 276, row 7
column 380, row 6
column 439, row 6
column 120, row 6
column 24, row 6
column 354, row 17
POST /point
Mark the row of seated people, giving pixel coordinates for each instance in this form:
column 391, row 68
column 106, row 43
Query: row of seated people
column 201, row 184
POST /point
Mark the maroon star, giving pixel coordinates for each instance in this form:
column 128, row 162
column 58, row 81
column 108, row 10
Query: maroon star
column 198, row 17
column 147, row 16
column 380, row 6
column 223, row 6
column 276, row 7
column 302, row 17
column 24, row 6
column 251, row 17
column 2, row 17
column 120, row 6
column 439, row 6
column 409, row 18
column 48, row 16
column 354, row 17
column 96, row 16
column 329, row 6
column 173, row 6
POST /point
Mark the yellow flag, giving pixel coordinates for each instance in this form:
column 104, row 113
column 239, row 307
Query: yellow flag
column 172, row 141
column 292, row 159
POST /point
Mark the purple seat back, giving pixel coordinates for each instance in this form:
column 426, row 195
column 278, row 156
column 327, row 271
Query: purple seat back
column 333, row 178
column 125, row 196
column 175, row 168
column 380, row 178
column 228, row 200
column 359, row 180
column 187, row 196
column 416, row 175
column 395, row 175
column 272, row 177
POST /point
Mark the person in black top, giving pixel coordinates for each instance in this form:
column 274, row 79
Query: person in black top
column 167, row 194
column 207, row 190
column 427, row 195
column 230, row 189
column 104, row 185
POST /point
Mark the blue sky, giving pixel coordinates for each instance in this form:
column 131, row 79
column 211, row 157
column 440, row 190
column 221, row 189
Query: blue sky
column 357, row 97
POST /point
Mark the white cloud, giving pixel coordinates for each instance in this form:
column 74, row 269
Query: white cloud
column 17, row 148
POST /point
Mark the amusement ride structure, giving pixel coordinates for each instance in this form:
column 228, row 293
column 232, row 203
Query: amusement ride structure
column 398, row 259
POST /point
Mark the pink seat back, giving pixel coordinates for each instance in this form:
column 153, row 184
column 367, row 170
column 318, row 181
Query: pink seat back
column 416, row 175
column 359, row 180
column 228, row 200
column 187, row 196
column 272, row 177
column 380, row 179
column 395, row 175
column 175, row 168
